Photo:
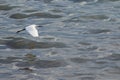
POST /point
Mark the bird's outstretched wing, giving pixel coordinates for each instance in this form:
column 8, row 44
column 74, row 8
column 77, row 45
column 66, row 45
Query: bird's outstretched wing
column 32, row 30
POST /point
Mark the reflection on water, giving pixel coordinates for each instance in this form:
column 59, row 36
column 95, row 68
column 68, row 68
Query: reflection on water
column 85, row 42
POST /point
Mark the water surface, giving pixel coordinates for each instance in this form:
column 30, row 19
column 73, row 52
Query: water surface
column 79, row 40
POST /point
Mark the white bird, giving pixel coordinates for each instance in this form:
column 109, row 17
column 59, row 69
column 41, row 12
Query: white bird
column 31, row 29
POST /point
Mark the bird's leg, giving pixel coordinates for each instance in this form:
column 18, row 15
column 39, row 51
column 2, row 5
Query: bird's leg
column 20, row 30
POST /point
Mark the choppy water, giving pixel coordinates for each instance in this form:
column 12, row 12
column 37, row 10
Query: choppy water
column 80, row 40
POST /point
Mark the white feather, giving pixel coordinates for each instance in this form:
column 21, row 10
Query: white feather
column 32, row 30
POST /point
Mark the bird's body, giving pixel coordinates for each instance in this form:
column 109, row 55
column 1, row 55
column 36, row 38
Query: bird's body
column 31, row 29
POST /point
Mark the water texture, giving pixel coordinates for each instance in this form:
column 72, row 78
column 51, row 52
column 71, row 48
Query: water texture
column 79, row 40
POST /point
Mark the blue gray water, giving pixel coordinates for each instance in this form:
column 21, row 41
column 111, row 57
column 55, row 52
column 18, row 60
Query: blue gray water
column 79, row 40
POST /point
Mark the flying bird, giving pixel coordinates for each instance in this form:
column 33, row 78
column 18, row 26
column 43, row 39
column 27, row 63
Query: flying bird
column 31, row 29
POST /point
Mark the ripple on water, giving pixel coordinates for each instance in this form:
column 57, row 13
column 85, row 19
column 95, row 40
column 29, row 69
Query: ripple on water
column 6, row 7
column 88, row 78
column 84, row 43
column 19, row 16
column 45, row 15
column 114, row 57
column 82, row 0
column 3, row 46
column 32, row 61
column 45, row 1
column 43, row 63
column 96, row 17
column 98, row 31
column 5, row 75
column 79, row 60
column 88, row 48
column 21, row 43
column 108, row 0
column 9, row 60
column 36, row 15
